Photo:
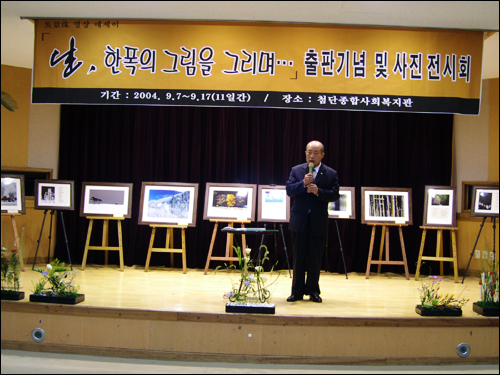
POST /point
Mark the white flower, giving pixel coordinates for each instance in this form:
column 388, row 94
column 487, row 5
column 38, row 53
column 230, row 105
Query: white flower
column 49, row 267
column 248, row 250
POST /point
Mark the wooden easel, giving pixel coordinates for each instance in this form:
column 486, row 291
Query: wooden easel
column 169, row 244
column 439, row 250
column 229, row 242
column 105, row 234
column 16, row 237
column 385, row 237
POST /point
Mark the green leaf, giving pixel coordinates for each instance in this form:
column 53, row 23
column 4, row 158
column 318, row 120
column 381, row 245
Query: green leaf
column 9, row 102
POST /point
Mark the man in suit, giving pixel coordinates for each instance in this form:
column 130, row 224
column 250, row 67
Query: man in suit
column 309, row 219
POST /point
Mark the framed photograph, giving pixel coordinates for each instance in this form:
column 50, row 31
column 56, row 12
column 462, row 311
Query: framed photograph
column 274, row 204
column 13, row 199
column 485, row 201
column 468, row 190
column 344, row 208
column 168, row 203
column 439, row 206
column 106, row 199
column 230, row 201
column 386, row 205
column 54, row 195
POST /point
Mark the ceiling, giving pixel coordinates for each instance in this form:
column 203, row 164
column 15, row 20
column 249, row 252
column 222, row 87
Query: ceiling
column 18, row 34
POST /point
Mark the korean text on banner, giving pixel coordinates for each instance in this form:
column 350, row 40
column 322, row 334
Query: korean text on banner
column 257, row 65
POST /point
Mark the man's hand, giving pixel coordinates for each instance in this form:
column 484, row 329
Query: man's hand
column 308, row 178
column 312, row 188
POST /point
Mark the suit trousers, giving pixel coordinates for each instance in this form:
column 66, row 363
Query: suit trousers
column 307, row 257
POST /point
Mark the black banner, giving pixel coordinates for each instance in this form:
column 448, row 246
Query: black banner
column 219, row 98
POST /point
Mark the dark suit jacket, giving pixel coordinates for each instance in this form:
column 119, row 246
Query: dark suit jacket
column 328, row 191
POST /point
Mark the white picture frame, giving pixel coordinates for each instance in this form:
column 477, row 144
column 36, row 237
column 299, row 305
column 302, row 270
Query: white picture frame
column 274, row 204
column 344, row 207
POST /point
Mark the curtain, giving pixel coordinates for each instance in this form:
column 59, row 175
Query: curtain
column 253, row 146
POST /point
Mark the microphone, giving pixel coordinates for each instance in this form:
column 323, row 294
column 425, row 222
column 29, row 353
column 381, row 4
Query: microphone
column 311, row 166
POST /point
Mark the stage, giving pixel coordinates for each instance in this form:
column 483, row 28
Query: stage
column 165, row 314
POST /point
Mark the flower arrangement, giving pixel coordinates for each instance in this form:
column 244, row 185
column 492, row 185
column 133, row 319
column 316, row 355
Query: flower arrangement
column 252, row 287
column 60, row 281
column 431, row 298
column 488, row 284
column 11, row 270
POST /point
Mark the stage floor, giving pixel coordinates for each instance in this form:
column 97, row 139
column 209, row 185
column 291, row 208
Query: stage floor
column 166, row 314
column 383, row 295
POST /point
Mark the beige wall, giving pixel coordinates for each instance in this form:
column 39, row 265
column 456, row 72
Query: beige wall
column 30, row 134
column 43, row 139
column 470, row 140
column 15, row 125
column 30, row 138
column 476, row 141
column 493, row 166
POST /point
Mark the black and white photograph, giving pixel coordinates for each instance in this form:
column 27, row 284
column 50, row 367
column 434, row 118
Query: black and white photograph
column 13, row 200
column 106, row 199
column 168, row 203
column 54, row 195
column 485, row 201
column 391, row 205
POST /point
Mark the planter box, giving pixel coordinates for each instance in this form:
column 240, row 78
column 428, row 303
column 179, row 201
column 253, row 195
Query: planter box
column 12, row 296
column 437, row 312
column 485, row 311
column 251, row 308
column 56, row 299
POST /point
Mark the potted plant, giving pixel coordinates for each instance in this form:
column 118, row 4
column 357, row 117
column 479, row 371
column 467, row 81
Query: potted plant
column 11, row 270
column 435, row 304
column 488, row 286
column 61, row 287
column 250, row 294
